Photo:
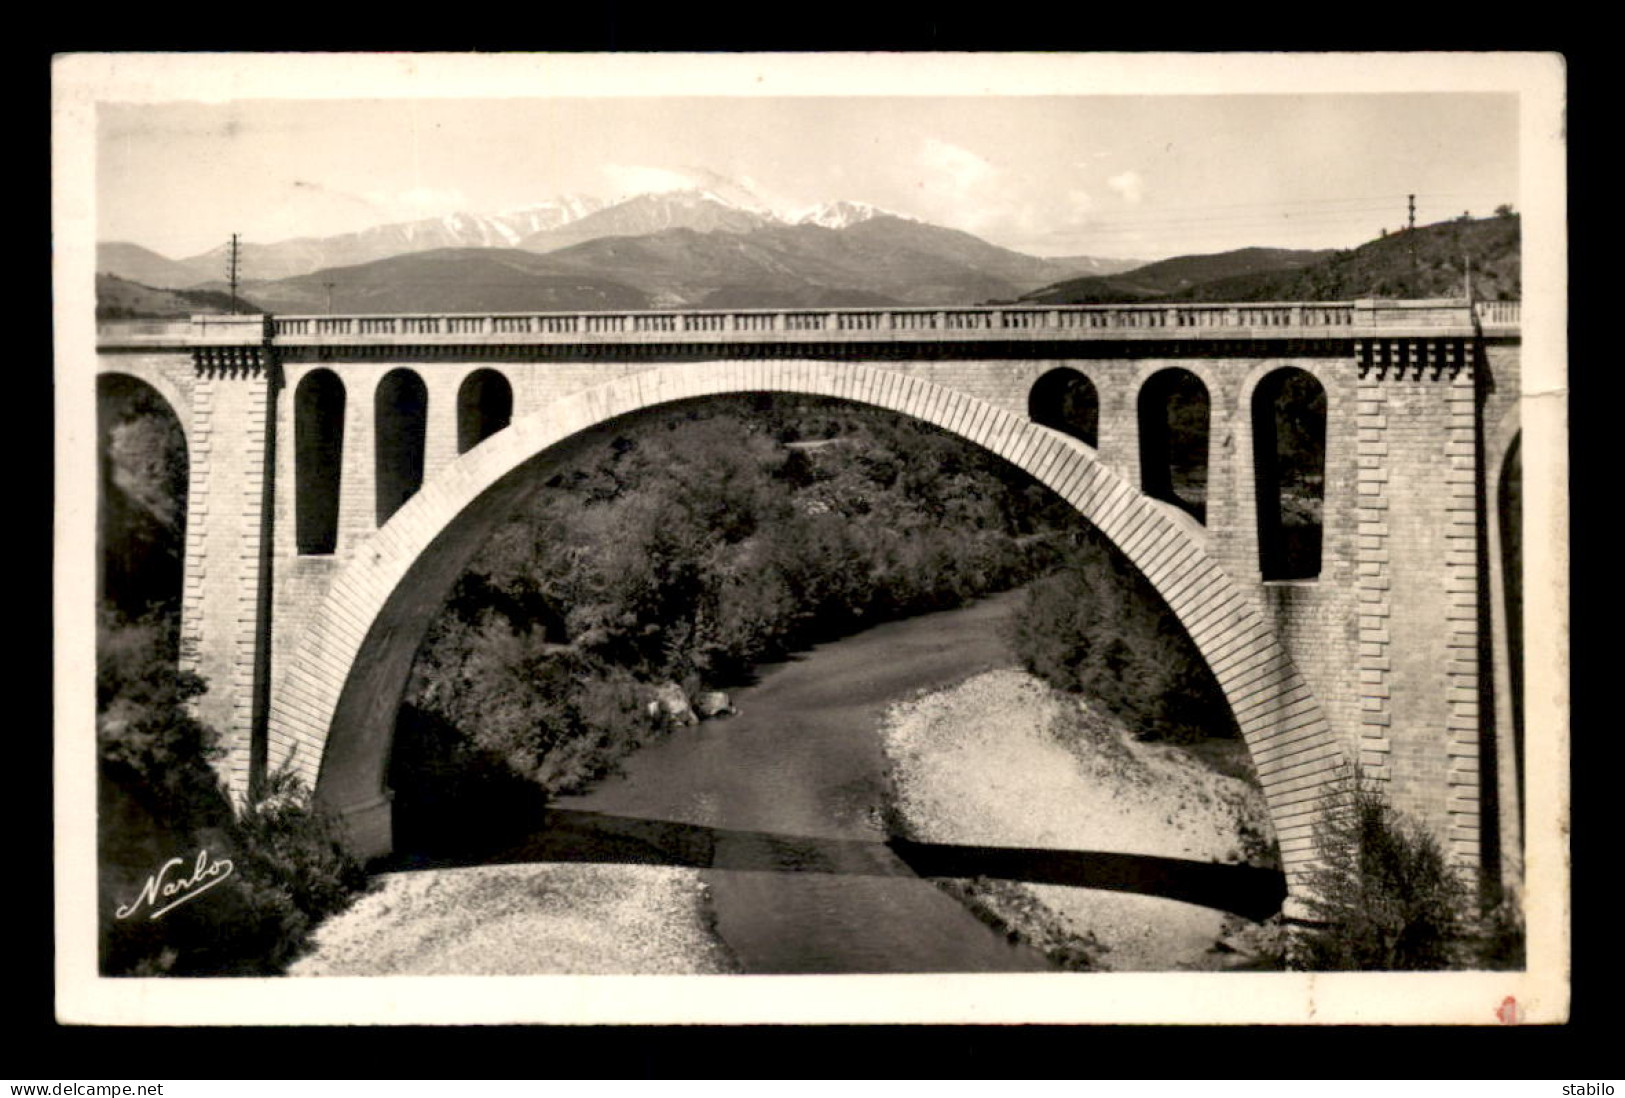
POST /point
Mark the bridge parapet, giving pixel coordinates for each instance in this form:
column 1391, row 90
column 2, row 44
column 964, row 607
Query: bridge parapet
column 1499, row 315
column 1190, row 322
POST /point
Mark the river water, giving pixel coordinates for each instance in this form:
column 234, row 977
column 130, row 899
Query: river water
column 794, row 785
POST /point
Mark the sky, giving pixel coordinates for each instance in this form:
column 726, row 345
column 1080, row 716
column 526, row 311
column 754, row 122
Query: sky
column 1130, row 176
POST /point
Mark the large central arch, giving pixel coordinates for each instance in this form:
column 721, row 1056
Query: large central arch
column 333, row 715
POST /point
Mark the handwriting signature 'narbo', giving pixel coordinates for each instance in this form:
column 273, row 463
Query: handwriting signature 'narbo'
column 206, row 873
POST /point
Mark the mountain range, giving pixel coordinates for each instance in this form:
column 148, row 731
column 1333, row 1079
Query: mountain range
column 717, row 247
column 711, row 247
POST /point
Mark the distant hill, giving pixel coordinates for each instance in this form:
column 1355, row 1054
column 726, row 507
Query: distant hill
column 1174, row 276
column 302, row 255
column 1379, row 268
column 874, row 261
column 449, row 280
column 134, row 263
column 880, row 261
column 1082, row 266
column 120, row 299
column 1383, row 268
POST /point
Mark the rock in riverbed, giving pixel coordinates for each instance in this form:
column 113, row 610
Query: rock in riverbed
column 672, row 703
column 713, row 703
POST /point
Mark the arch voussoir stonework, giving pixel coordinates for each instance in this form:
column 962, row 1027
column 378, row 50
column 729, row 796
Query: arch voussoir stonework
column 334, row 709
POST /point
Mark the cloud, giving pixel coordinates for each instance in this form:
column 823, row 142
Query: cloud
column 962, row 169
column 630, row 179
column 959, row 187
column 1129, row 184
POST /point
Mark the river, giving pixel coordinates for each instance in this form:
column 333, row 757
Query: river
column 802, row 761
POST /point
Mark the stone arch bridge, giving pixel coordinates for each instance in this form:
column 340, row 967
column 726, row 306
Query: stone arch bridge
column 344, row 468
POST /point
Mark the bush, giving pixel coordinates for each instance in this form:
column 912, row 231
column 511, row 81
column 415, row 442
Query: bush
column 159, row 800
column 1384, row 892
column 1096, row 626
column 289, row 844
column 289, row 869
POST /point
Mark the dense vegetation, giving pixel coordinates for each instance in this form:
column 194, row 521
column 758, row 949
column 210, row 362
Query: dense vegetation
column 690, row 549
column 158, row 795
column 685, row 551
column 1097, row 627
column 1385, row 897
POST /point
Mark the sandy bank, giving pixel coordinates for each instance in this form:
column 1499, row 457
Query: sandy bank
column 523, row 920
column 1004, row 760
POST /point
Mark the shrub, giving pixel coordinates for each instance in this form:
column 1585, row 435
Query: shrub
column 1096, row 626
column 288, row 843
column 159, row 799
column 289, row 869
column 1384, row 893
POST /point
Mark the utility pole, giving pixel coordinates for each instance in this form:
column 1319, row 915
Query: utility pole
column 1410, row 233
column 232, row 270
column 329, row 287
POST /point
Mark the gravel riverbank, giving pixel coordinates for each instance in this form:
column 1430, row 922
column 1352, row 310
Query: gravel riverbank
column 1004, row 760
column 517, row 920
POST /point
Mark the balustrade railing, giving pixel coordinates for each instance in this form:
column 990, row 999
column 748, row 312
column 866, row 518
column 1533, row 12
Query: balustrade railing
column 897, row 323
column 1499, row 313
column 1010, row 319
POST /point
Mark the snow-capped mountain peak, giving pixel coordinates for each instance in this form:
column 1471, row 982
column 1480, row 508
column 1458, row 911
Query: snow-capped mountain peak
column 840, row 214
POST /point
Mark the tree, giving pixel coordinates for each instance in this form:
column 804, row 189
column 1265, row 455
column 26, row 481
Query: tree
column 1384, row 893
column 1096, row 626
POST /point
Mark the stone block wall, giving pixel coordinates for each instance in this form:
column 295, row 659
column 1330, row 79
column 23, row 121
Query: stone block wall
column 223, row 627
column 1419, row 560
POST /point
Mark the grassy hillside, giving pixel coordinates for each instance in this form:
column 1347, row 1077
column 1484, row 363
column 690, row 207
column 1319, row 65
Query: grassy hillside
column 1173, row 276
column 1384, row 268
column 1381, row 268
column 121, row 299
column 450, row 280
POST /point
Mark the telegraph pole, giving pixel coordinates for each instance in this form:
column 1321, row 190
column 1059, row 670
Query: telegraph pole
column 329, row 287
column 232, row 265
column 1410, row 232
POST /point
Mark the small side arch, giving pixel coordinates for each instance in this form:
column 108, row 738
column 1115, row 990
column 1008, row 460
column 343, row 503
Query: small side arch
column 318, row 456
column 400, row 431
column 484, row 407
column 1175, row 417
column 1066, row 400
column 1289, row 473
